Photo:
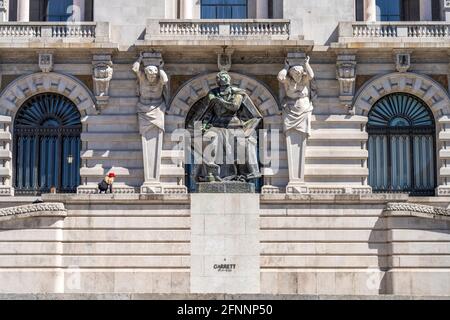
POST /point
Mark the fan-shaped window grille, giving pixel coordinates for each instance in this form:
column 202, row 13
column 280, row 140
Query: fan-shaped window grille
column 402, row 146
column 47, row 132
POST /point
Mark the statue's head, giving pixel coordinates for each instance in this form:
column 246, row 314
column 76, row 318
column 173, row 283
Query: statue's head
column 151, row 72
column 223, row 79
column 297, row 73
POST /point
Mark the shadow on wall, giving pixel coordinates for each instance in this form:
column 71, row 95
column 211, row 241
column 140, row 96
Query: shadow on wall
column 30, row 223
column 378, row 240
column 421, row 248
column 334, row 37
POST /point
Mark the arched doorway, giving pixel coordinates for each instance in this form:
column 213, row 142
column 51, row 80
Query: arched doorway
column 177, row 119
column 47, row 130
column 401, row 146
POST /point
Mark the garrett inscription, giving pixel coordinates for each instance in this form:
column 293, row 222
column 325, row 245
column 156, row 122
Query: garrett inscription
column 224, row 267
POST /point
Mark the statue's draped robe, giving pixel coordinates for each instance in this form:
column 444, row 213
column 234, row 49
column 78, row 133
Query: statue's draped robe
column 151, row 115
column 297, row 109
column 230, row 137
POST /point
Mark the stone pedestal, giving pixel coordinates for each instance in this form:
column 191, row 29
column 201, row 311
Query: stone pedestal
column 226, row 187
column 151, row 150
column 296, row 150
column 225, row 244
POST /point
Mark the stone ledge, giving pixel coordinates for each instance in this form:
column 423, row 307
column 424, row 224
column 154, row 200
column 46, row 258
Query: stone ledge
column 144, row 296
column 33, row 210
column 135, row 198
column 220, row 42
column 334, row 198
column 416, row 210
column 275, row 198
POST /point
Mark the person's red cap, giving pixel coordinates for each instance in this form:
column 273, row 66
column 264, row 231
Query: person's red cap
column 111, row 175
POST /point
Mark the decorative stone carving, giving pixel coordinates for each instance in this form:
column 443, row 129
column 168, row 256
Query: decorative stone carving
column 102, row 74
column 33, row 210
column 402, row 60
column 435, row 96
column 46, row 62
column 224, row 59
column 152, row 82
column 297, row 92
column 415, row 210
column 346, row 75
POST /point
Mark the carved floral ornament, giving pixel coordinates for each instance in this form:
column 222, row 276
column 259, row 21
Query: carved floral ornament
column 416, row 208
column 33, row 210
column 402, row 60
column 46, row 62
column 346, row 75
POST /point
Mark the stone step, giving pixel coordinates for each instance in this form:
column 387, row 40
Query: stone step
column 343, row 135
column 335, row 171
column 336, row 153
column 111, row 154
column 111, row 136
column 229, row 297
column 5, row 154
column 110, row 119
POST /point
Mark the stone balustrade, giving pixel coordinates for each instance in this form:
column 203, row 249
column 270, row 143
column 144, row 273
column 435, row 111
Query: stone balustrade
column 89, row 32
column 414, row 30
column 274, row 29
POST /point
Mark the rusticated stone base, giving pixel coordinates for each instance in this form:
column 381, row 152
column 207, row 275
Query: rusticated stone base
column 226, row 187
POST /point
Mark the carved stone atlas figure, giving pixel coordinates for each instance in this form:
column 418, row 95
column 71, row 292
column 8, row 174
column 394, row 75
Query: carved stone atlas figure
column 297, row 111
column 151, row 107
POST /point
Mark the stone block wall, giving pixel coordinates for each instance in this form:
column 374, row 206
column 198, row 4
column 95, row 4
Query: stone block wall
column 142, row 248
column 322, row 246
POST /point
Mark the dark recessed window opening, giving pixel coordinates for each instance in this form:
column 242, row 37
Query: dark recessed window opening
column 401, row 145
column 47, row 145
column 224, row 9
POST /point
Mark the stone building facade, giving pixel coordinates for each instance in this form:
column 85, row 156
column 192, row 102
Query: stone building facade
column 368, row 216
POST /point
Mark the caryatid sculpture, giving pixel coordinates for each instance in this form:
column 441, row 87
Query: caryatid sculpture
column 151, row 107
column 297, row 111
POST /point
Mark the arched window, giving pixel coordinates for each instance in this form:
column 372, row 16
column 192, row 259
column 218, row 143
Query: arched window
column 47, row 132
column 402, row 146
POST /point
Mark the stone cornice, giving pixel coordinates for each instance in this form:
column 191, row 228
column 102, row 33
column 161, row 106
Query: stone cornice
column 33, row 210
column 380, row 200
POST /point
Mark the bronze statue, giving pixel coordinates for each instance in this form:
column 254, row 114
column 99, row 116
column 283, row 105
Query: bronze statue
column 229, row 122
